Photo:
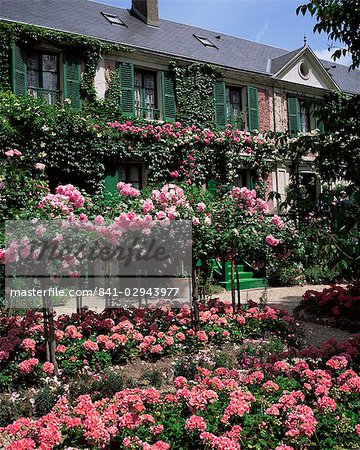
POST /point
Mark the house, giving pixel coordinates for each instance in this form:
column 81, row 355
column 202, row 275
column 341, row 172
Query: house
column 262, row 87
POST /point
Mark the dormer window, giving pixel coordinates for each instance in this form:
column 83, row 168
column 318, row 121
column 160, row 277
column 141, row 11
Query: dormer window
column 114, row 20
column 205, row 41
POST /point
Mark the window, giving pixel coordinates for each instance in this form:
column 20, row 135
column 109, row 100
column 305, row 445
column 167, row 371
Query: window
column 126, row 172
column 233, row 106
column 299, row 116
column 304, row 116
column 43, row 76
column 145, row 95
column 114, row 20
column 132, row 173
column 205, row 41
column 241, row 180
column 304, row 70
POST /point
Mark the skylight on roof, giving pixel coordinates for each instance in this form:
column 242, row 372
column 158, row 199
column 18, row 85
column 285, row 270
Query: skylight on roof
column 205, row 41
column 115, row 20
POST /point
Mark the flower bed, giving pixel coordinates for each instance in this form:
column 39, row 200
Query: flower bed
column 288, row 406
column 91, row 341
column 335, row 306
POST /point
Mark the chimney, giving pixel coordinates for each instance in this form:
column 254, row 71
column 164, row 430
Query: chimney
column 147, row 11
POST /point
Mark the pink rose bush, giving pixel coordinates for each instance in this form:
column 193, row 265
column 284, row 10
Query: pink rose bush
column 192, row 143
column 64, row 202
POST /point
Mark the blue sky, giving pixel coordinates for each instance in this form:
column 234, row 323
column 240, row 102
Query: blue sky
column 272, row 22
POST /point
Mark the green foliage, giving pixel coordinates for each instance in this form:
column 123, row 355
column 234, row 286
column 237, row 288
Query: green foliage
column 13, row 409
column 59, row 137
column 339, row 148
column 77, row 146
column 89, row 49
column 340, row 19
column 153, row 378
column 286, row 273
column 45, row 400
column 319, row 274
column 108, row 384
column 195, row 93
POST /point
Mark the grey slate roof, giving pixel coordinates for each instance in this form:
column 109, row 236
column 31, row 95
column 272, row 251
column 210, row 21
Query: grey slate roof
column 171, row 38
column 280, row 61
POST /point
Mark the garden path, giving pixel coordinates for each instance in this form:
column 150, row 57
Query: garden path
column 288, row 298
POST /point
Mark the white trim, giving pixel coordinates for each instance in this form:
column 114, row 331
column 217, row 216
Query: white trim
column 306, row 53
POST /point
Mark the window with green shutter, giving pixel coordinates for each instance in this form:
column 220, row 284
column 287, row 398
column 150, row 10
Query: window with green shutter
column 43, row 76
column 253, row 108
column 220, row 103
column 126, row 172
column 126, row 73
column 234, row 113
column 72, row 79
column 293, row 115
column 168, row 96
column 145, row 94
column 18, row 71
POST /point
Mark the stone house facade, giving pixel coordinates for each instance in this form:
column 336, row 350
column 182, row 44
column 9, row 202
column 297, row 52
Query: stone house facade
column 262, row 87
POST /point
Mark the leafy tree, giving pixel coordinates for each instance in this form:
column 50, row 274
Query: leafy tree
column 339, row 147
column 340, row 19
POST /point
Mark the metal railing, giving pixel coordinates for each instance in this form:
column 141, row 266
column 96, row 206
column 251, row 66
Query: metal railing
column 147, row 113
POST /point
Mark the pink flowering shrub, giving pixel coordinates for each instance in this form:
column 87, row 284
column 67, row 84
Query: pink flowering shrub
column 285, row 408
column 66, row 199
column 336, row 304
column 245, row 229
column 97, row 340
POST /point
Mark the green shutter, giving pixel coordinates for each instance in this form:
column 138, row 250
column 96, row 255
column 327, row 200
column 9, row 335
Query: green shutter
column 72, row 79
column 252, row 181
column 212, row 186
column 293, row 115
column 110, row 184
column 18, row 71
column 253, row 108
column 320, row 126
column 220, row 103
column 168, row 96
column 126, row 72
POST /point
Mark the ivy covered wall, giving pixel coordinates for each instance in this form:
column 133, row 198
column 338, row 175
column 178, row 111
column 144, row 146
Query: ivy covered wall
column 194, row 87
column 87, row 49
column 77, row 146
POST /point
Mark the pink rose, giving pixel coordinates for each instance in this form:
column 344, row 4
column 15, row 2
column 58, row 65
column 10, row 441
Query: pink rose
column 271, row 240
column 40, row 167
column 201, row 207
column 13, row 152
column 99, row 220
